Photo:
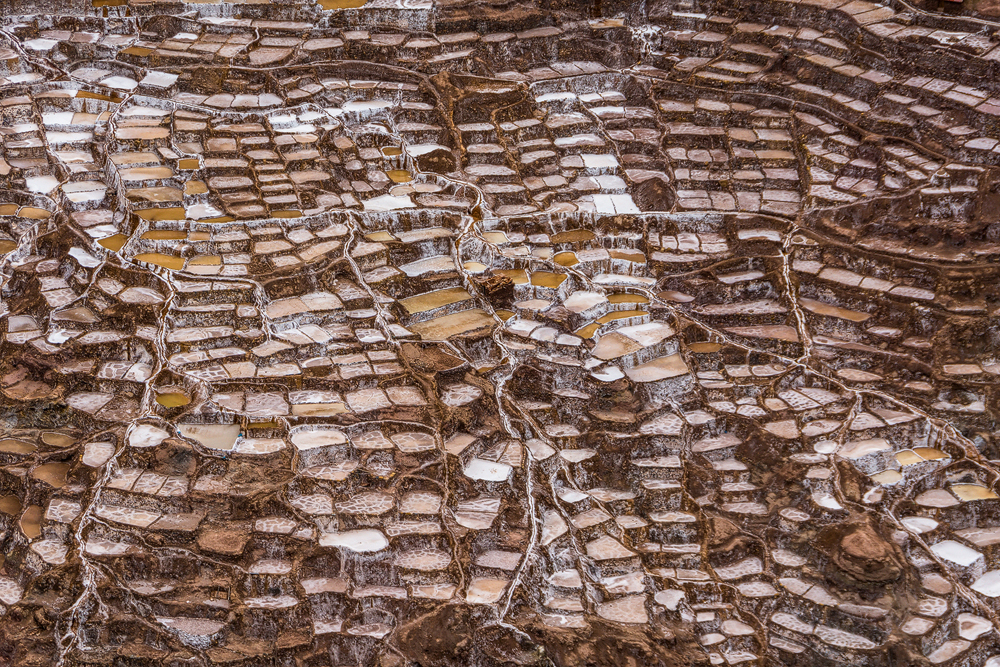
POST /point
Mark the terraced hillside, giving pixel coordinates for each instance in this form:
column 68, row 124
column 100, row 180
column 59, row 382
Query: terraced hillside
column 441, row 333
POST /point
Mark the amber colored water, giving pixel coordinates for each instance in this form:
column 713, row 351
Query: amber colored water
column 168, row 213
column 621, row 315
column 631, row 256
column 16, row 447
column 573, row 236
column 164, row 235
column 171, row 262
column 10, row 504
column 195, row 188
column 566, row 259
column 83, row 94
column 547, row 279
column 887, row 477
column 31, row 522
column 625, row 297
column 32, row 213
column 172, row 400
column 421, row 303
column 114, row 243
column 968, row 492
column 53, row 474
column 342, row 4
column 58, row 439
column 930, row 453
column 517, row 275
